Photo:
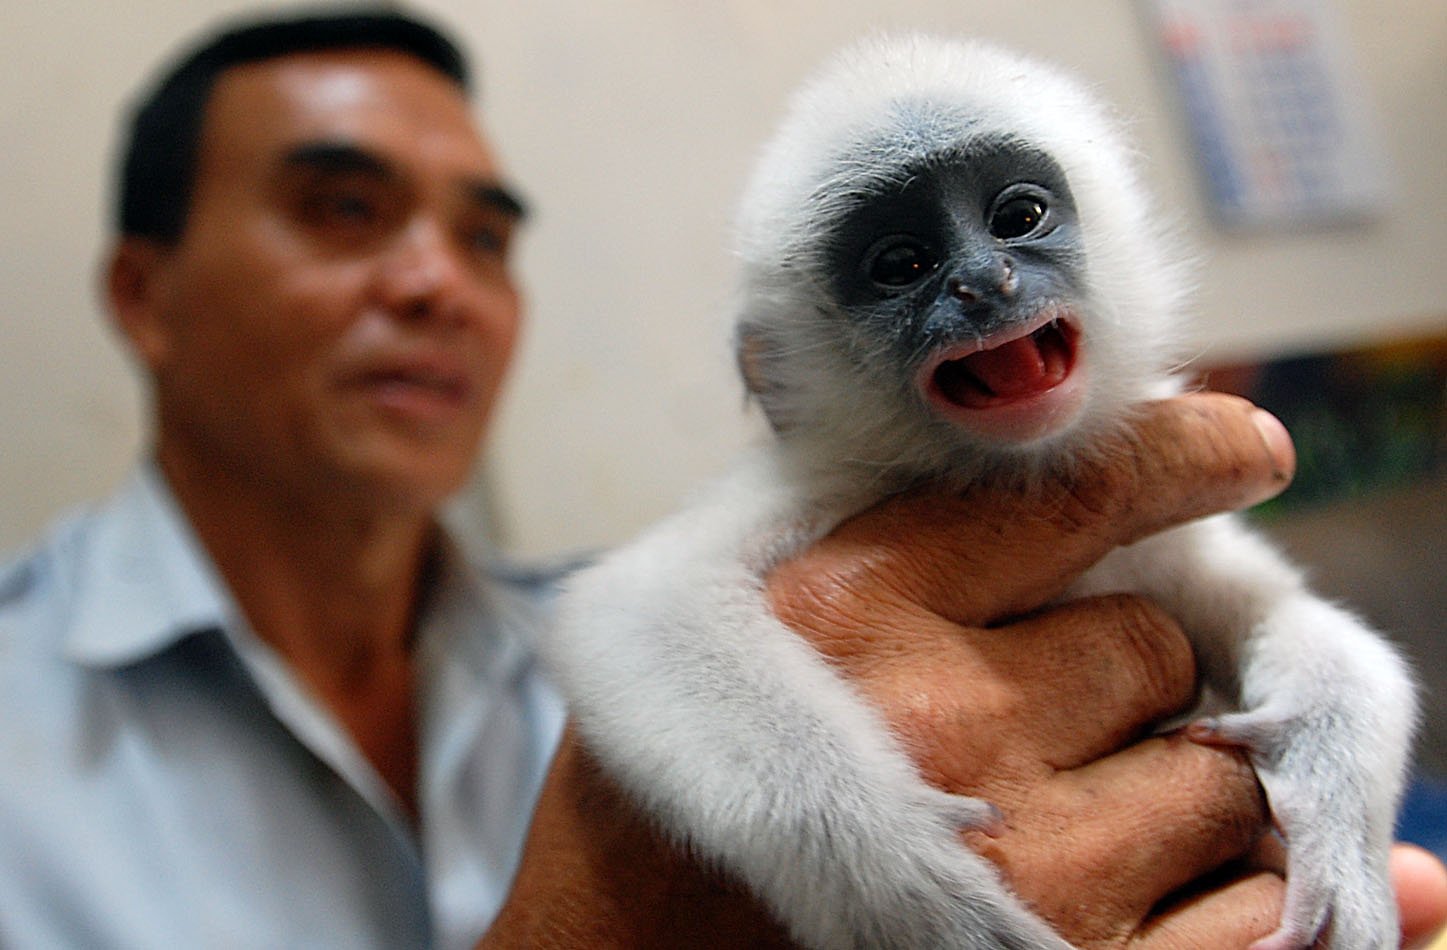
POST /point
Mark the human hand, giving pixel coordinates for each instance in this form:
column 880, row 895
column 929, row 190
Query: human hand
column 928, row 605
column 1420, row 881
column 596, row 876
column 1099, row 828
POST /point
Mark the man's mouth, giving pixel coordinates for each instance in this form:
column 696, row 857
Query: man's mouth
column 422, row 383
column 425, row 391
column 1016, row 385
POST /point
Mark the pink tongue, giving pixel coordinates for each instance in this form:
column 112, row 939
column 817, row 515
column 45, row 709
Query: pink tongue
column 1016, row 368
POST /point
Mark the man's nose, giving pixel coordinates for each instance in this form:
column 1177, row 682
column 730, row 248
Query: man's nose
column 422, row 275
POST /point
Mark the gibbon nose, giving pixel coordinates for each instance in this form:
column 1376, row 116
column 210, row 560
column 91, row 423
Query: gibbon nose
column 963, row 292
column 992, row 283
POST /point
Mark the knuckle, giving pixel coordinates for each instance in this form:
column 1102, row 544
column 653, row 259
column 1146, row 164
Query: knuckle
column 1153, row 653
column 1229, row 804
column 841, row 607
column 810, row 601
column 1096, row 496
column 959, row 744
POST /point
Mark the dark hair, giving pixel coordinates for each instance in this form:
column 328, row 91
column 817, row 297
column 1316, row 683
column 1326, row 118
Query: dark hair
column 158, row 165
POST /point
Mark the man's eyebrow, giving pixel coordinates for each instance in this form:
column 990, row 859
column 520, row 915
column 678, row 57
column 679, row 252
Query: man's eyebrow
column 338, row 158
column 498, row 196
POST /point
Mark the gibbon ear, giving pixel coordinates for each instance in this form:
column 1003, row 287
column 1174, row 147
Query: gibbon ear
column 752, row 351
column 748, row 350
column 131, row 284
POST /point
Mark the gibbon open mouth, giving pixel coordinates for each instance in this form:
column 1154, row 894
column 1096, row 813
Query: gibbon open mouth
column 1017, row 368
column 1014, row 387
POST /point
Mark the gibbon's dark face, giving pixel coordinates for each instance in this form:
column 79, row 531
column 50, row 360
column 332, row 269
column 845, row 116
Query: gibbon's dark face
column 967, row 268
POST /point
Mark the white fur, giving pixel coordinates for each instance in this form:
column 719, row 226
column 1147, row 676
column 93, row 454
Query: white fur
column 751, row 751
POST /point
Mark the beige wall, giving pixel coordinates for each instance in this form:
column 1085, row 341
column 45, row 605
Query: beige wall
column 631, row 123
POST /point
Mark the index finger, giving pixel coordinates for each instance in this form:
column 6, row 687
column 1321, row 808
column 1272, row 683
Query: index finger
column 999, row 550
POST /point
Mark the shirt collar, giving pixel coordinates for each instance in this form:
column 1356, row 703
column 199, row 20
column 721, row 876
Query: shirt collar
column 476, row 615
column 146, row 582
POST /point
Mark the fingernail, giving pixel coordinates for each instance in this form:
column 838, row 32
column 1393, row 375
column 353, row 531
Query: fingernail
column 1278, row 443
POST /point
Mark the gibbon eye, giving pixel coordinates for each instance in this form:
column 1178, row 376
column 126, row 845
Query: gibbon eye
column 900, row 261
column 1016, row 217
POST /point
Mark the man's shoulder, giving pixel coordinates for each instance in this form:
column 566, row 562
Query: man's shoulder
column 103, row 566
column 40, row 582
column 40, row 687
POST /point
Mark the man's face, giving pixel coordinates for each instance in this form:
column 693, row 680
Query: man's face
column 337, row 314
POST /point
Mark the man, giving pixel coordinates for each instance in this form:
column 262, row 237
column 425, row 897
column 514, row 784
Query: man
column 260, row 700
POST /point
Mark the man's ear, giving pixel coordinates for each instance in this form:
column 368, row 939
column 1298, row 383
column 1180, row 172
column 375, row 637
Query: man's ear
column 133, row 284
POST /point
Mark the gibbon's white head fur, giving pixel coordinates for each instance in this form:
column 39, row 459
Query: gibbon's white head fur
column 875, row 111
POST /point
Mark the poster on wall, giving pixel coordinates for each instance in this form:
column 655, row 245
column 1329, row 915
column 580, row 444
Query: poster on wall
column 1280, row 131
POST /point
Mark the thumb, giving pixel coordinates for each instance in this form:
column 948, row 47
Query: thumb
column 996, row 551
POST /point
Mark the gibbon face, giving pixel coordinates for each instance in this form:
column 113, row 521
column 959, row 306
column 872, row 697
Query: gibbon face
column 964, row 273
column 951, row 268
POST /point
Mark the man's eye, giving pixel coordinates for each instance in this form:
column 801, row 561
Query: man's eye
column 351, row 209
column 486, row 241
column 342, row 210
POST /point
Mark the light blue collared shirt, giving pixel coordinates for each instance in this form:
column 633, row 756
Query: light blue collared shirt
column 165, row 781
